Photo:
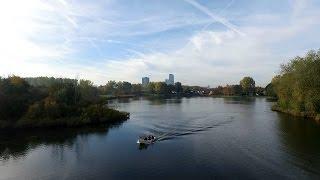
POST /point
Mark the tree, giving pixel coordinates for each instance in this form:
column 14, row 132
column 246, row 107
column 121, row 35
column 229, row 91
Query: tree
column 248, row 85
column 259, row 90
column 178, row 87
column 87, row 91
column 170, row 89
column 228, row 91
column 270, row 90
column 161, row 88
column 136, row 88
column 110, row 88
column 151, row 87
column 237, row 89
column 126, row 87
column 297, row 86
column 15, row 97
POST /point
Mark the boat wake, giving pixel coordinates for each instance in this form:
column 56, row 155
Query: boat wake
column 173, row 133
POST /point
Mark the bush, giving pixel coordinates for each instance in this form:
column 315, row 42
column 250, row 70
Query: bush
column 99, row 113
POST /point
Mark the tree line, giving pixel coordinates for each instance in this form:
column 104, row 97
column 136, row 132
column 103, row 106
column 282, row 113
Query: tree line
column 126, row 88
column 246, row 87
column 297, row 86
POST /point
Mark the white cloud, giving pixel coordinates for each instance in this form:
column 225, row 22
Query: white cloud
column 224, row 57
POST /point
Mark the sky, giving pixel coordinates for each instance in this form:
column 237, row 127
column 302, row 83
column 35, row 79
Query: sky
column 202, row 42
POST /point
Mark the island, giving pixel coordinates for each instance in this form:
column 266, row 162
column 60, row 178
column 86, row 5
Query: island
column 52, row 102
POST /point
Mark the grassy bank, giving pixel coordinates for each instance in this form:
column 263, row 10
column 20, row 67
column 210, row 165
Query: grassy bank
column 309, row 115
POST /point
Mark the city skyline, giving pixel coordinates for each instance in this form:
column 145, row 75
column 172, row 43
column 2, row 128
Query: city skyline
column 203, row 42
column 146, row 79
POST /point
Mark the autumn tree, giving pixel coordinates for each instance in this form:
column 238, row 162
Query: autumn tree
column 248, row 85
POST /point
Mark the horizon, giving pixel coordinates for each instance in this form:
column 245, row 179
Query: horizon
column 201, row 42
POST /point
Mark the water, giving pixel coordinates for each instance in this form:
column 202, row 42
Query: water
column 199, row 138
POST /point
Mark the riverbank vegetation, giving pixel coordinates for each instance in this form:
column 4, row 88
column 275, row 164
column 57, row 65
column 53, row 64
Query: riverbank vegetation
column 297, row 87
column 47, row 102
column 246, row 87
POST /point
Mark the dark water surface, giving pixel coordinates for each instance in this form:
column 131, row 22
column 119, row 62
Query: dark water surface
column 199, row 138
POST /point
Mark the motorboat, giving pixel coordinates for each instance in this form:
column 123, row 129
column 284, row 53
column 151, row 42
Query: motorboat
column 146, row 139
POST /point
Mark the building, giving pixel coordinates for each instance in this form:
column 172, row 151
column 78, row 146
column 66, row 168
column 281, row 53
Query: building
column 170, row 81
column 145, row 81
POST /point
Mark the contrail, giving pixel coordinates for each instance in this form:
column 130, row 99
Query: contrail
column 215, row 17
column 68, row 18
column 226, row 7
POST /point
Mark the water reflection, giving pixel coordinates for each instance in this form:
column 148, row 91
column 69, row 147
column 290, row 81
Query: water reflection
column 143, row 146
column 114, row 103
column 300, row 138
column 239, row 100
column 161, row 101
column 16, row 144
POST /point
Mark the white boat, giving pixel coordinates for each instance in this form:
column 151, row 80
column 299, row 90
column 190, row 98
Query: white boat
column 146, row 139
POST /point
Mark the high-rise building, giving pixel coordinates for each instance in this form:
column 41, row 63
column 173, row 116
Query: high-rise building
column 170, row 81
column 145, row 81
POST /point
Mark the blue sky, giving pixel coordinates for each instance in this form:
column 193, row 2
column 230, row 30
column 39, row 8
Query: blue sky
column 202, row 42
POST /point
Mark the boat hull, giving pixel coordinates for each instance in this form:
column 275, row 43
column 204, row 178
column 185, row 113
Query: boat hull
column 142, row 141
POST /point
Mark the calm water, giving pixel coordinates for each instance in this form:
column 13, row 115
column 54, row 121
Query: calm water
column 203, row 138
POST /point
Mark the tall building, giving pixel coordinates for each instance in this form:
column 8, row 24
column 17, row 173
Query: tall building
column 145, row 81
column 170, row 81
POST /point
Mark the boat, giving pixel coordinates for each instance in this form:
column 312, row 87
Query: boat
column 146, row 139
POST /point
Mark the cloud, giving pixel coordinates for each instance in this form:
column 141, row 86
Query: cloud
column 107, row 40
column 223, row 57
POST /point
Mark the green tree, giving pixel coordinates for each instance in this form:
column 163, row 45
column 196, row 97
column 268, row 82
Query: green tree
column 270, row 91
column 110, row 88
column 237, row 89
column 136, row 88
column 297, row 86
column 178, row 87
column 248, row 85
column 161, row 88
column 151, row 87
column 126, row 87
column 14, row 97
column 88, row 92
column 259, row 90
column 170, row 89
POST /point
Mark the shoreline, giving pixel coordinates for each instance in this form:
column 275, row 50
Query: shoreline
column 313, row 116
column 115, row 116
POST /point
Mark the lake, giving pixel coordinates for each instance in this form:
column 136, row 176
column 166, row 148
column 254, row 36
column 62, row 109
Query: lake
column 199, row 138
